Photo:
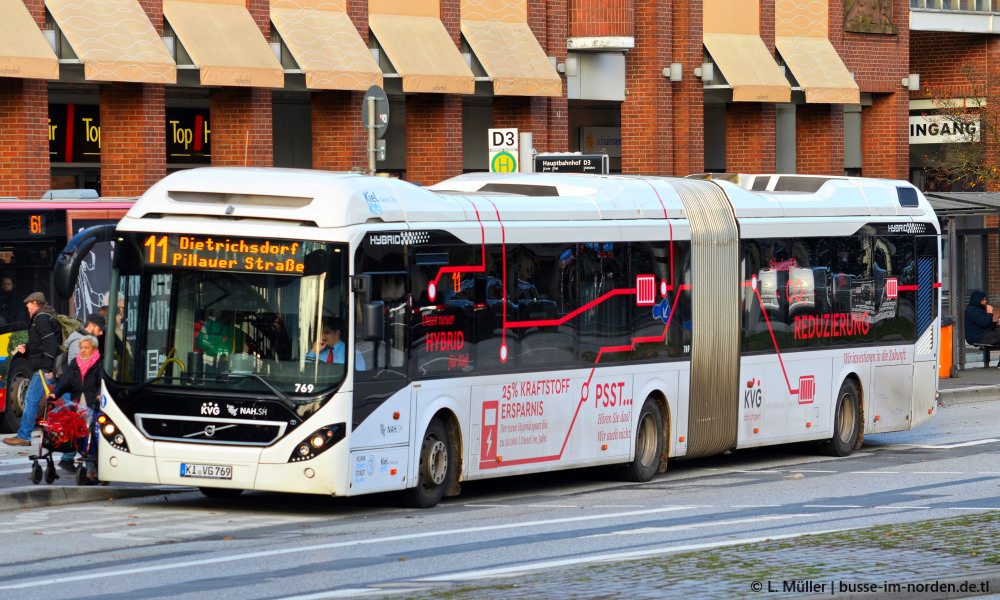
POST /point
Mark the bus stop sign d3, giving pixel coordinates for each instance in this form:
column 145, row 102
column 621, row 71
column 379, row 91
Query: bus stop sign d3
column 503, row 150
column 381, row 110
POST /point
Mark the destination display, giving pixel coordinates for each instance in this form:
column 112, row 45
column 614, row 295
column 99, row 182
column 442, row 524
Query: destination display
column 224, row 253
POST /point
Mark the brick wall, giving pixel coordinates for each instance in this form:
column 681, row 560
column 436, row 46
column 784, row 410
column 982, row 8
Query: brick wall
column 241, row 127
column 819, row 139
column 600, row 18
column 433, row 137
column 154, row 12
column 750, row 137
column 133, row 148
column 937, row 56
column 647, row 113
column 885, row 138
column 554, row 43
column 884, row 125
column 338, row 140
column 24, row 155
column 688, row 122
column 37, row 10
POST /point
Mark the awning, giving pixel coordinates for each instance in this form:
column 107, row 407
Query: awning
column 114, row 40
column 422, row 53
column 512, row 57
column 801, row 34
column 749, row 67
column 224, row 42
column 24, row 52
column 325, row 44
column 818, row 69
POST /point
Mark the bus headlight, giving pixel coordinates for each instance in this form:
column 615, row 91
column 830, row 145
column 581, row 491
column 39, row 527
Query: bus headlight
column 111, row 433
column 318, row 442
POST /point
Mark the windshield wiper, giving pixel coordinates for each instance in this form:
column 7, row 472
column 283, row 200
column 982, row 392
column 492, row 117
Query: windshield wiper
column 281, row 395
column 134, row 389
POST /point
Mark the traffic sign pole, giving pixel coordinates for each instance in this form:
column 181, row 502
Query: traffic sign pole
column 371, row 134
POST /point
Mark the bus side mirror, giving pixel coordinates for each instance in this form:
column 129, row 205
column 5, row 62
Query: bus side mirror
column 373, row 321
column 362, row 286
column 68, row 262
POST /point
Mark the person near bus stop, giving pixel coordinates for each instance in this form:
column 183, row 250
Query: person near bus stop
column 981, row 321
column 82, row 381
column 12, row 309
column 94, row 328
column 44, row 337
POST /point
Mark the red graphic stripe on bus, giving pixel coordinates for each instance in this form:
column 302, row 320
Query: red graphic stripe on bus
column 576, row 312
column 646, row 339
column 777, row 350
column 470, row 269
column 908, row 288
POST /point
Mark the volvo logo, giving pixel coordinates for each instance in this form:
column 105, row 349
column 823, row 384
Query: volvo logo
column 209, row 430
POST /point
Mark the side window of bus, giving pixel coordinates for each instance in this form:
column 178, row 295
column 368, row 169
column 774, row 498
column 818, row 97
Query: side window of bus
column 496, row 347
column 541, row 285
column 445, row 308
column 388, row 353
column 603, row 268
column 659, row 329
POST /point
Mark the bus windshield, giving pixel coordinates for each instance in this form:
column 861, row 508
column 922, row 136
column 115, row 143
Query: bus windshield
column 236, row 314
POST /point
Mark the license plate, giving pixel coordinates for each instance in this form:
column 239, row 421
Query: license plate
column 206, row 471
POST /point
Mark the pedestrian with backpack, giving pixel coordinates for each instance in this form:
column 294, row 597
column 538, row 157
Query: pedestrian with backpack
column 44, row 338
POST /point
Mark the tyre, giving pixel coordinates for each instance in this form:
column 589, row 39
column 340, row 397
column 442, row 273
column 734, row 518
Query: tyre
column 434, row 470
column 50, row 473
column 846, row 421
column 81, row 475
column 36, row 473
column 211, row 492
column 18, row 378
column 648, row 444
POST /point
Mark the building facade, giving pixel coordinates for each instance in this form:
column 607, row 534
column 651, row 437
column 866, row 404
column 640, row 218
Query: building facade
column 114, row 94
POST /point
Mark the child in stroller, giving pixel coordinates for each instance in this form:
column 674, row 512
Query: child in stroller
column 70, row 426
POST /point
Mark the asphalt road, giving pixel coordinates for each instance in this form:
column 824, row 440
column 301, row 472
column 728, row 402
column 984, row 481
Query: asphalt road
column 182, row 545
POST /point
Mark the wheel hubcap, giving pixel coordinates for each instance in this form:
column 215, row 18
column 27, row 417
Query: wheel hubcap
column 437, row 462
column 645, row 443
column 846, row 418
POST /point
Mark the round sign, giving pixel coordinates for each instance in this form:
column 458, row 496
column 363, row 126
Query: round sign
column 503, row 162
column 381, row 110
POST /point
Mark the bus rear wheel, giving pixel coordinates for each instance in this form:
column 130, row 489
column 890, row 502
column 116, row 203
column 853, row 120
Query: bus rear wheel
column 648, row 444
column 846, row 421
column 434, row 470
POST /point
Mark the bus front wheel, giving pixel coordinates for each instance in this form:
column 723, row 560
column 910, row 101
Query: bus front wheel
column 434, row 470
column 648, row 444
column 846, row 421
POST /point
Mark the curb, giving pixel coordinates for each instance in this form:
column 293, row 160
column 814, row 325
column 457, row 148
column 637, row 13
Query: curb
column 38, row 496
column 979, row 393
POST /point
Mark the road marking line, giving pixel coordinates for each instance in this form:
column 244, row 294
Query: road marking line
column 754, row 505
column 754, row 471
column 490, row 505
column 812, row 471
column 617, row 556
column 937, row 472
column 552, row 505
column 972, row 508
column 645, row 530
column 956, row 445
column 874, row 472
column 331, row 545
column 831, row 506
column 907, row 506
column 349, row 593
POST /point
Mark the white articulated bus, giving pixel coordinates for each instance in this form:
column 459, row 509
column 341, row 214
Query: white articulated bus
column 332, row 333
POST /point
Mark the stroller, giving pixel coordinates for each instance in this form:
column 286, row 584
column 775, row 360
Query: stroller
column 66, row 427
